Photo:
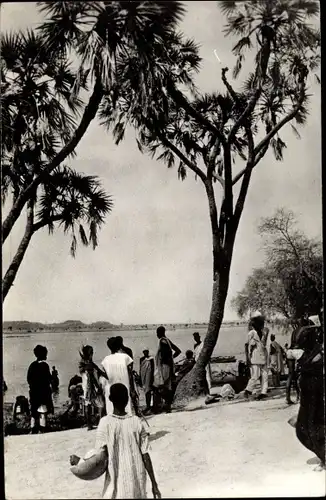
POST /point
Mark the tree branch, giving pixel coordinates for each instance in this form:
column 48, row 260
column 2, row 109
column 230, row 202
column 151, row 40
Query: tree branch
column 38, row 225
column 183, row 102
column 261, row 70
column 283, row 122
column 228, row 181
column 261, row 149
column 247, row 126
column 217, row 248
column 219, row 178
column 234, row 222
column 211, row 161
column 257, row 160
column 88, row 115
column 182, row 157
column 232, row 92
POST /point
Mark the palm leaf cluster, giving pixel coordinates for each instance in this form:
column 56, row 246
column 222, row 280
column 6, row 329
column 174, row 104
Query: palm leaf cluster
column 38, row 110
column 76, row 202
column 102, row 35
column 39, row 113
column 290, row 26
column 155, row 113
column 79, row 46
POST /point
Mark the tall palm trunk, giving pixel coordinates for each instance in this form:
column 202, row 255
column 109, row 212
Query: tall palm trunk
column 219, row 295
column 221, row 272
column 11, row 273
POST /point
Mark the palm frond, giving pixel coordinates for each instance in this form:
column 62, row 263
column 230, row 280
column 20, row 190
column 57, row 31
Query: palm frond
column 11, row 45
column 243, row 43
column 228, row 6
column 182, row 171
column 82, row 235
column 73, row 246
column 278, row 147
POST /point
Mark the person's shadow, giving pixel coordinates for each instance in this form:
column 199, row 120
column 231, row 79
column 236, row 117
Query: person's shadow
column 158, row 435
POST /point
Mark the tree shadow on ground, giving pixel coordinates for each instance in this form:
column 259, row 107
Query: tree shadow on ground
column 277, row 395
column 158, row 435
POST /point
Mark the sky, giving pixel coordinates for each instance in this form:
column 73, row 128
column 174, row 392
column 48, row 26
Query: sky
column 154, row 260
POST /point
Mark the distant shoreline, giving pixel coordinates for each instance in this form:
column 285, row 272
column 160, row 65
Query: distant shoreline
column 11, row 328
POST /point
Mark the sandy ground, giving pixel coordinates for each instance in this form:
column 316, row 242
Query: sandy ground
column 237, row 449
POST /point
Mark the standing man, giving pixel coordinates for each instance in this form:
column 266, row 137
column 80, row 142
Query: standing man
column 146, row 371
column 55, row 379
column 276, row 361
column 257, row 339
column 164, row 369
column 197, row 345
column 197, row 350
column 124, row 348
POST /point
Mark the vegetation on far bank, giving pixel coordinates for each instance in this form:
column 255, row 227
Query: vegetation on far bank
column 289, row 284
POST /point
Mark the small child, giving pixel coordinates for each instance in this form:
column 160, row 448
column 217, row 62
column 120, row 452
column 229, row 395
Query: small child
column 127, row 443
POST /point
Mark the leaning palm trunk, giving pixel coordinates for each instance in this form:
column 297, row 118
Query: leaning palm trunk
column 11, row 273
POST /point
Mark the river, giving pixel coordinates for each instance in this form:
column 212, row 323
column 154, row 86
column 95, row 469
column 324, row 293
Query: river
column 63, row 350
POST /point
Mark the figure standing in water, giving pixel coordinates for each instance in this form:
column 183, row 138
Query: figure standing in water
column 55, row 379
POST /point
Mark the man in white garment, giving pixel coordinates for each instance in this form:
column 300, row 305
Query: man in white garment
column 257, row 339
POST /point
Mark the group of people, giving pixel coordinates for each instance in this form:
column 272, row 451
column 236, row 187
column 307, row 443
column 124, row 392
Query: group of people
column 112, row 388
column 304, row 358
column 159, row 378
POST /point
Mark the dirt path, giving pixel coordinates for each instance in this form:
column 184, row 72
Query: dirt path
column 242, row 449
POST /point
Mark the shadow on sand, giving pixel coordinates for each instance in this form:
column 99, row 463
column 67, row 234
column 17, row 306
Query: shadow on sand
column 158, row 435
column 277, row 394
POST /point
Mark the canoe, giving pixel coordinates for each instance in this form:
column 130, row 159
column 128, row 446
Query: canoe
column 224, row 359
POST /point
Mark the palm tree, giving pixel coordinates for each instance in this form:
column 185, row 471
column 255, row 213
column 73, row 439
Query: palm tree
column 98, row 34
column 41, row 93
column 39, row 112
column 66, row 199
column 206, row 134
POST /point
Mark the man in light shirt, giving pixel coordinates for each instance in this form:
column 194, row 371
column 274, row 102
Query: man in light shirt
column 257, row 339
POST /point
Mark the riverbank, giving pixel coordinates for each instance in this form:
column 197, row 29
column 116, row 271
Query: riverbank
column 240, row 448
